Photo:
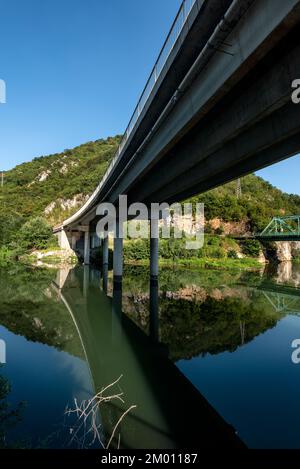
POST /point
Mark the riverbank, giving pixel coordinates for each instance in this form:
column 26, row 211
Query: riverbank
column 60, row 257
column 205, row 263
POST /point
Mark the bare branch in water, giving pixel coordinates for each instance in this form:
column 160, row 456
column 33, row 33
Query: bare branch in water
column 118, row 423
column 87, row 413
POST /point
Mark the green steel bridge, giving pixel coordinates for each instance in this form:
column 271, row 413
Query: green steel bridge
column 285, row 299
column 281, row 229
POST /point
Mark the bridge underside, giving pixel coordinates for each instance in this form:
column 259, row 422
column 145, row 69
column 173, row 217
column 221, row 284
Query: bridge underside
column 249, row 122
column 254, row 126
column 234, row 117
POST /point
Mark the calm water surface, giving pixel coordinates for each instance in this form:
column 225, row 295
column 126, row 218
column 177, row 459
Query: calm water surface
column 219, row 336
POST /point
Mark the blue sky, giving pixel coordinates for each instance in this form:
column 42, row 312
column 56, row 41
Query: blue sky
column 74, row 70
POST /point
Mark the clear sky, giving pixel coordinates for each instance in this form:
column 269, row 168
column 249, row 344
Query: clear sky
column 74, row 70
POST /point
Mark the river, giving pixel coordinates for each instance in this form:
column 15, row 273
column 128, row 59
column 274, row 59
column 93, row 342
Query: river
column 213, row 364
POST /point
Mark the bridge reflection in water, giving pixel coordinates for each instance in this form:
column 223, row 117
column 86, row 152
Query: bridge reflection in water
column 222, row 315
column 170, row 412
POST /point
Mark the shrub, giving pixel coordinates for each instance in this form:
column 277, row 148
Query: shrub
column 232, row 254
column 213, row 241
column 36, row 233
column 251, row 247
column 219, row 231
column 208, row 228
column 217, row 253
column 137, row 250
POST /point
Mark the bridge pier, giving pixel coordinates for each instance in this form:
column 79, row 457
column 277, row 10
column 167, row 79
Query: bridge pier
column 154, row 251
column 87, row 247
column 154, row 324
column 105, row 253
column 118, row 258
column 73, row 242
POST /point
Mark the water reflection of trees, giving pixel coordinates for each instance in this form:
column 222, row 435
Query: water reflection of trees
column 191, row 329
column 30, row 307
column 202, row 312
column 9, row 416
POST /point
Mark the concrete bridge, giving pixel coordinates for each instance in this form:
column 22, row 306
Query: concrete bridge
column 217, row 106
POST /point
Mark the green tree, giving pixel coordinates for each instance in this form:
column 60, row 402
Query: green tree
column 36, row 233
column 251, row 247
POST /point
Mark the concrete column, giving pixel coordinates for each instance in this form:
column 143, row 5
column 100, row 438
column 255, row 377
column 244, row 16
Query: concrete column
column 74, row 241
column 105, row 278
column 105, row 258
column 154, row 303
column 87, row 247
column 154, row 251
column 118, row 259
column 105, row 251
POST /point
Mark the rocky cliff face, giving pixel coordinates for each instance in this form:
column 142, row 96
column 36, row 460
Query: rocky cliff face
column 235, row 228
column 285, row 251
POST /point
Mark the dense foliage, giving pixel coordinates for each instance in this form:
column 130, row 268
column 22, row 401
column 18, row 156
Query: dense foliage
column 27, row 296
column 36, row 233
column 259, row 202
column 55, row 186
column 60, row 182
column 215, row 247
column 31, row 187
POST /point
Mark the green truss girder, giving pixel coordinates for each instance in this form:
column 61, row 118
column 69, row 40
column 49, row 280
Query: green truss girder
column 282, row 226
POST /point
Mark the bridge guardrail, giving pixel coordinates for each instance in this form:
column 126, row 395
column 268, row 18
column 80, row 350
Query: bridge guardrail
column 175, row 31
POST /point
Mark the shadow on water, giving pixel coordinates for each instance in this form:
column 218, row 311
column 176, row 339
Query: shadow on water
column 143, row 336
column 170, row 412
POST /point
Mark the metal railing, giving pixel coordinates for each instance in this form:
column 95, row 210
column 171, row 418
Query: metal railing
column 177, row 27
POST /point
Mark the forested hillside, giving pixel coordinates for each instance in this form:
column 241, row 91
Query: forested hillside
column 30, row 187
column 259, row 202
column 57, row 185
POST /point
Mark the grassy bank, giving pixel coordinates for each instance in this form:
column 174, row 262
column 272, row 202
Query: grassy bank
column 217, row 252
column 204, row 263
